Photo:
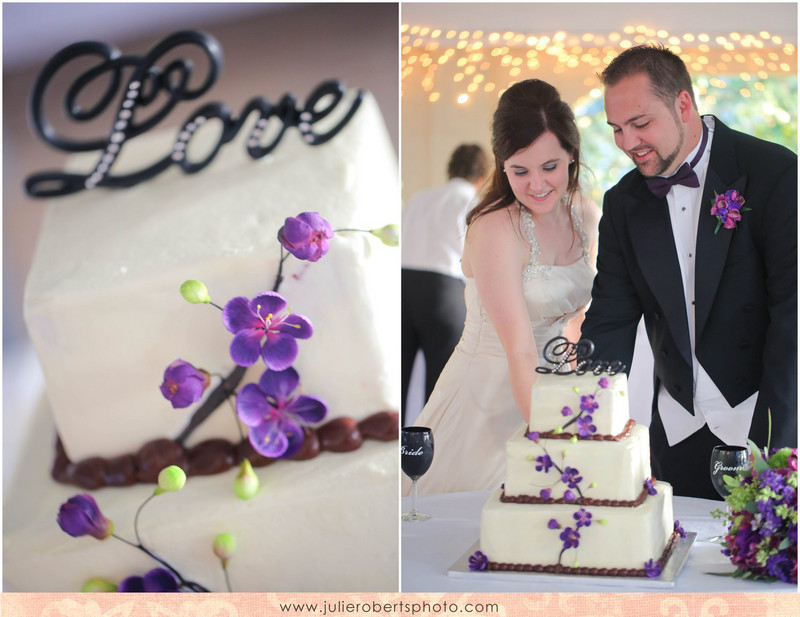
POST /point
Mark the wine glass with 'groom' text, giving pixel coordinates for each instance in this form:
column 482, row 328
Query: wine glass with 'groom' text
column 727, row 461
column 416, row 455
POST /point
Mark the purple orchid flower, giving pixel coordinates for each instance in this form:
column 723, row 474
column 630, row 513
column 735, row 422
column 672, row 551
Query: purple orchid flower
column 274, row 414
column 261, row 328
column 585, row 427
column 544, row 463
column 649, row 484
column 183, row 384
column 679, row 529
column 81, row 516
column 566, row 411
column 306, row 236
column 652, row 568
column 570, row 477
column 553, row 524
column 478, row 561
column 603, row 383
column 588, row 404
column 583, row 518
column 156, row 580
column 545, row 493
column 571, row 537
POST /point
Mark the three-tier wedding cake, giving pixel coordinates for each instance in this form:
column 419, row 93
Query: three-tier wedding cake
column 578, row 495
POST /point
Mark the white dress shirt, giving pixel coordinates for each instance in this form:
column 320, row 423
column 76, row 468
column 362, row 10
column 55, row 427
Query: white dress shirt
column 433, row 227
column 730, row 424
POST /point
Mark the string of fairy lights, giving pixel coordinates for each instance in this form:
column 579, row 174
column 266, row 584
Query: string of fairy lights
column 467, row 63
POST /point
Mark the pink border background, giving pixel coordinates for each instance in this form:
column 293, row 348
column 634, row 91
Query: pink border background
column 267, row 604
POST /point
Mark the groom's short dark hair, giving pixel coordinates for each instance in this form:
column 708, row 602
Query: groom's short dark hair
column 667, row 72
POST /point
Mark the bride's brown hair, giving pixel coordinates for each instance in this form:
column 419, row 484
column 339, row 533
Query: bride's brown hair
column 525, row 112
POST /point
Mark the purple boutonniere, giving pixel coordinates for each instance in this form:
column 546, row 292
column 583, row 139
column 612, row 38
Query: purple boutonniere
column 728, row 208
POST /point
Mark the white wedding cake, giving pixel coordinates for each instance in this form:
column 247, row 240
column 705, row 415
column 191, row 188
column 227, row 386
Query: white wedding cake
column 105, row 314
column 578, row 497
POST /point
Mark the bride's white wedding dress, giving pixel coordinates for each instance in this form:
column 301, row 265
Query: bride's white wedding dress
column 471, row 411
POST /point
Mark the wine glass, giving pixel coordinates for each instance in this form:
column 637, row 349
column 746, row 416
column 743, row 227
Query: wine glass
column 726, row 461
column 416, row 455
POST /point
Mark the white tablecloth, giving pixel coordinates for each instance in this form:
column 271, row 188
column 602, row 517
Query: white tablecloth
column 431, row 547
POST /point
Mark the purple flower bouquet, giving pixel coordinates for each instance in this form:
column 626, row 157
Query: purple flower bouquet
column 762, row 517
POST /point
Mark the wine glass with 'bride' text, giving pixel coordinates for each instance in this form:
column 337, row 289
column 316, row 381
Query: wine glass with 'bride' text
column 416, row 455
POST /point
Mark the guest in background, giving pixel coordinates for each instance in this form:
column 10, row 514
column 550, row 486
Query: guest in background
column 433, row 228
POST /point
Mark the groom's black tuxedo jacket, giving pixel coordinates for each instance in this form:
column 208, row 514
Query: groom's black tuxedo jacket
column 745, row 289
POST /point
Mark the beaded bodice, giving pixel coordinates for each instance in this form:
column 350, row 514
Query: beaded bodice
column 534, row 269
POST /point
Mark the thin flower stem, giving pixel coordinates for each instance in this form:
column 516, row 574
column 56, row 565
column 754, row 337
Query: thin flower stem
column 215, row 305
column 128, row 542
column 769, row 428
column 227, row 578
column 214, row 400
column 238, row 427
column 561, row 471
column 136, row 518
column 181, row 581
column 279, row 275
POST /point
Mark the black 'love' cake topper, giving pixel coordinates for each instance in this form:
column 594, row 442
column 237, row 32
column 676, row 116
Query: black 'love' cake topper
column 139, row 91
column 560, row 352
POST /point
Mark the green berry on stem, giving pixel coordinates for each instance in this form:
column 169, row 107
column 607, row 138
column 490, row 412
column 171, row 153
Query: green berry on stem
column 224, row 547
column 194, row 292
column 246, row 483
column 170, row 480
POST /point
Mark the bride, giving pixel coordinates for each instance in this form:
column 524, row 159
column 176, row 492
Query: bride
column 529, row 257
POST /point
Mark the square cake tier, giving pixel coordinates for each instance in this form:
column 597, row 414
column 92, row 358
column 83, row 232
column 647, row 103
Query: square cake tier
column 616, row 537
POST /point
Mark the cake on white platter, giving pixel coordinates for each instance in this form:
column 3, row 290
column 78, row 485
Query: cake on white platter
column 578, row 497
column 104, row 311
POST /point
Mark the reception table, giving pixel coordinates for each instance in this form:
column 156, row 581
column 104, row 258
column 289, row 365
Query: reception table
column 430, row 548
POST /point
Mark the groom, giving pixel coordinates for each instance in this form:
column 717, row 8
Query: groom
column 718, row 295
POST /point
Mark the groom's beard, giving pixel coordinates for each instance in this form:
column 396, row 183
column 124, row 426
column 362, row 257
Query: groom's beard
column 662, row 164
column 659, row 163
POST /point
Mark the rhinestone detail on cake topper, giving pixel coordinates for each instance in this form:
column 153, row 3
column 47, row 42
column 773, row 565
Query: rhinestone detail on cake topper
column 147, row 83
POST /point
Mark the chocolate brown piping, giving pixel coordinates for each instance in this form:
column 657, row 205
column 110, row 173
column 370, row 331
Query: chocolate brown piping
column 626, row 431
column 560, row 569
column 583, row 501
column 216, row 455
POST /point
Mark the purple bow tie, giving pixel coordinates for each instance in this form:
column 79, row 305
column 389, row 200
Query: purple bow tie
column 685, row 175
